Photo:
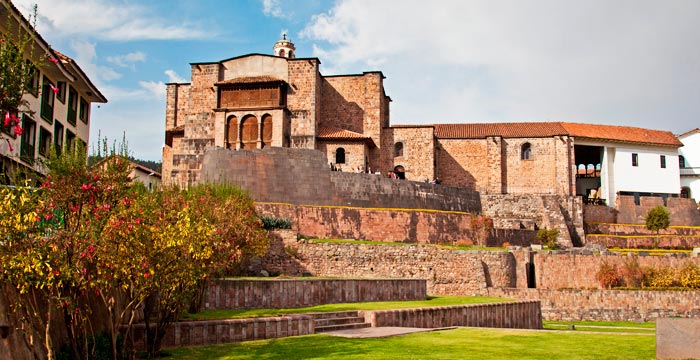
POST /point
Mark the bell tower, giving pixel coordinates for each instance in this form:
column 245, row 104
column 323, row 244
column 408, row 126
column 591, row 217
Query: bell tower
column 284, row 48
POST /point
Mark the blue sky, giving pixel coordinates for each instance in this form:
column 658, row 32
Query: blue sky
column 622, row 62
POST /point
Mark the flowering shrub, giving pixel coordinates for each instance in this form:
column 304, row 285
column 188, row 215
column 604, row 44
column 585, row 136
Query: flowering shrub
column 630, row 273
column 88, row 239
column 689, row 275
column 481, row 227
column 607, row 275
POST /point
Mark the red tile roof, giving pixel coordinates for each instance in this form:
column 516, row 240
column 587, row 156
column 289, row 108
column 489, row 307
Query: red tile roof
column 690, row 132
column 622, row 134
column 511, row 130
column 546, row 129
column 336, row 134
column 250, row 80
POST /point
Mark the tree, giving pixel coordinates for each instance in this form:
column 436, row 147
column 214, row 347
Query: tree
column 658, row 218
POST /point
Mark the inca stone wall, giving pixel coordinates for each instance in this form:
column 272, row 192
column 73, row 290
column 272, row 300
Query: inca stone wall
column 300, row 176
column 296, row 293
column 608, row 305
column 418, row 158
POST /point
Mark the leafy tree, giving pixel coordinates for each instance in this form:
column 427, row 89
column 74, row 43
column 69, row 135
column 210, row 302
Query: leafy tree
column 657, row 219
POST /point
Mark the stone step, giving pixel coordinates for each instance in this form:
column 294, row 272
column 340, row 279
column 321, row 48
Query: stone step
column 332, row 315
column 338, row 321
column 319, row 329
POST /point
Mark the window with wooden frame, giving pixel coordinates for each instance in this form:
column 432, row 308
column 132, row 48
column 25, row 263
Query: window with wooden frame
column 47, row 100
column 44, row 141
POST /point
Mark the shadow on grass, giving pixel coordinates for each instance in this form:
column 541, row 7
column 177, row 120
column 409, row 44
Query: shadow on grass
column 454, row 344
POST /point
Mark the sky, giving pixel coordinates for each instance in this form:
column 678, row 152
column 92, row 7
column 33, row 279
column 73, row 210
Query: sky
column 616, row 62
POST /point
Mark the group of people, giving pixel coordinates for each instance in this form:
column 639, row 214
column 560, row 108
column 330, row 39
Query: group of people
column 358, row 170
column 436, row 181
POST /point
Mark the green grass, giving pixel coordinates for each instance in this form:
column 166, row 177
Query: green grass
column 381, row 305
column 644, row 325
column 453, row 344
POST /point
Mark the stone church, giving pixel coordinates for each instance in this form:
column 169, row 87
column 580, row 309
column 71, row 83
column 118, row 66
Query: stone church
column 255, row 101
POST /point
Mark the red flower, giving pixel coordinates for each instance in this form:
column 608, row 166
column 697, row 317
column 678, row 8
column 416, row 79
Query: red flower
column 10, row 145
column 146, row 274
column 18, row 130
column 54, row 89
column 7, row 118
column 85, row 187
column 53, row 59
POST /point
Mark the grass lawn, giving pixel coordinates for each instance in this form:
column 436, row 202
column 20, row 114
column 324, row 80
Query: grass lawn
column 381, row 305
column 603, row 326
column 452, row 344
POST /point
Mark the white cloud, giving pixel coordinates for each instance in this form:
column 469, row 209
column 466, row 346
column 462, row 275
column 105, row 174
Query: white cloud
column 173, row 77
column 127, row 60
column 104, row 19
column 272, row 8
column 155, row 88
column 85, row 56
column 624, row 62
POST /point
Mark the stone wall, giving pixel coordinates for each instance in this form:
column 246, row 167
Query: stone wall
column 533, row 212
column 515, row 315
column 193, row 333
column 447, row 271
column 608, row 305
column 294, row 293
column 418, row 157
column 683, row 211
column 637, row 236
column 266, row 175
column 560, row 271
column 409, row 226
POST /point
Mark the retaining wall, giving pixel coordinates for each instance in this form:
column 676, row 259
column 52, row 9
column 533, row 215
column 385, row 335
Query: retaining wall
column 521, row 315
column 637, row 236
column 294, row 293
column 608, row 305
column 192, row 333
column 682, row 211
column 302, row 176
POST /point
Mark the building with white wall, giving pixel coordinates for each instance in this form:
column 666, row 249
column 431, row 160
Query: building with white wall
column 59, row 101
column 689, row 164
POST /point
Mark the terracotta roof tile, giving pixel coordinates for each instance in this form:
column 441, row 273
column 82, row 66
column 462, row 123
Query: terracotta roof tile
column 625, row 134
column 249, row 80
column 690, row 132
column 511, row 130
column 335, row 133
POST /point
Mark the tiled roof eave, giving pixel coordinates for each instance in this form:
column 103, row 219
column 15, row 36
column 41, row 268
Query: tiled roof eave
column 631, row 142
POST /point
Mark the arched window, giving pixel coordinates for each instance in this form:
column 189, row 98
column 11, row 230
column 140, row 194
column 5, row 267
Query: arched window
column 266, row 130
column 231, row 132
column 526, row 151
column 398, row 149
column 681, row 161
column 249, row 132
column 340, row 156
column 282, row 52
column 291, row 54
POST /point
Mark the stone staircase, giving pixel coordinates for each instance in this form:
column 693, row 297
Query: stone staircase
column 343, row 320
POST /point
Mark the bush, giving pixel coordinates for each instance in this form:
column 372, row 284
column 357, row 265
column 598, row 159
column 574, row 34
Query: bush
column 271, row 222
column 607, row 275
column 631, row 273
column 658, row 218
column 548, row 237
column 689, row 275
column 662, row 277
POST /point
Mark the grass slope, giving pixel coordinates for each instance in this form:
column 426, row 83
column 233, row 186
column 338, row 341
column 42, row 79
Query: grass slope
column 381, row 305
column 454, row 344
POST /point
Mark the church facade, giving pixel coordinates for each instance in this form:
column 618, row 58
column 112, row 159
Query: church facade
column 256, row 101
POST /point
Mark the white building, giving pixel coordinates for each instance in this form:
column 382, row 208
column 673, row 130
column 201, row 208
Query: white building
column 689, row 163
column 621, row 160
column 60, row 118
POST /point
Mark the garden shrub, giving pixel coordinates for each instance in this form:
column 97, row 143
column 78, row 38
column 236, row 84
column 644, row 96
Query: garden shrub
column 661, row 277
column 271, row 222
column 548, row 237
column 630, row 273
column 607, row 275
column 689, row 275
column 658, row 218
